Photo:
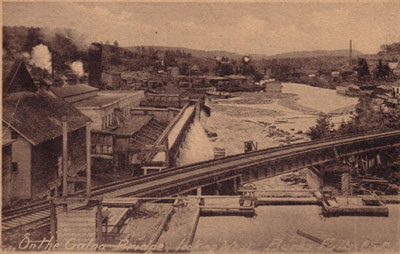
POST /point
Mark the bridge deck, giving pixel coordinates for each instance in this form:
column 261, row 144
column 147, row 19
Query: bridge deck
column 177, row 180
column 227, row 165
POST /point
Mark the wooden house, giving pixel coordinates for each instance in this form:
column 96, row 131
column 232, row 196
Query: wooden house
column 7, row 169
column 34, row 121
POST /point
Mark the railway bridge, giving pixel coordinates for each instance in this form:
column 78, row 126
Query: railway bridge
column 232, row 170
column 247, row 167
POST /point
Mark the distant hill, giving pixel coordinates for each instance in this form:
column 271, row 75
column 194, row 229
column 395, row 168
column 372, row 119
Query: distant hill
column 193, row 52
column 315, row 53
column 236, row 56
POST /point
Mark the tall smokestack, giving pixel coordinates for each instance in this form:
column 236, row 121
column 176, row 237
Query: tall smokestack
column 95, row 64
column 350, row 53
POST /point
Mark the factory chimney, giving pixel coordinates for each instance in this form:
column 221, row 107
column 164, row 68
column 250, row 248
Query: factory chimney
column 350, row 53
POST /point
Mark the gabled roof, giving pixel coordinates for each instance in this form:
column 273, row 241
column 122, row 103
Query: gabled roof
column 72, row 90
column 37, row 117
column 15, row 75
column 6, row 142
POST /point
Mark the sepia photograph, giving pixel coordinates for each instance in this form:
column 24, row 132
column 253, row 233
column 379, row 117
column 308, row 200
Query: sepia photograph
column 215, row 126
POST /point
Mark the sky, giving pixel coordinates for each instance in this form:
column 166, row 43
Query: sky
column 245, row 28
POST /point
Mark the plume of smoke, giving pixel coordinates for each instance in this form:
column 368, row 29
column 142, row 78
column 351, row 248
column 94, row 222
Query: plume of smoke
column 78, row 39
column 77, row 68
column 41, row 57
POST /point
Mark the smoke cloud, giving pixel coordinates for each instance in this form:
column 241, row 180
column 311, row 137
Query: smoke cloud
column 79, row 40
column 77, row 68
column 41, row 57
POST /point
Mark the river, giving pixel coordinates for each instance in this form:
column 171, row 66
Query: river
column 274, row 230
column 269, row 120
column 272, row 120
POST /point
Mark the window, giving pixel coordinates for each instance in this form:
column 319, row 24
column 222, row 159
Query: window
column 103, row 123
column 14, row 134
column 14, row 167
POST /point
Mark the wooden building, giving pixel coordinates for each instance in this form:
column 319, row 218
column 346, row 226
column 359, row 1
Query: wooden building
column 34, row 121
column 120, row 148
column 104, row 106
column 112, row 126
column 7, row 171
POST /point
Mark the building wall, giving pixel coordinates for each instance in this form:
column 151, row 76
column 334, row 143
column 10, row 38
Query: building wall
column 47, row 159
column 38, row 165
column 45, row 166
column 95, row 115
column 104, row 117
column 122, row 153
column 21, row 155
column 163, row 100
column 6, row 166
column 161, row 115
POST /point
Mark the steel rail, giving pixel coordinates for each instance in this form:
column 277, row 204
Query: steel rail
column 240, row 160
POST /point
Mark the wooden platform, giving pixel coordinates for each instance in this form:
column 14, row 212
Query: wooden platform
column 386, row 199
column 120, row 202
column 353, row 206
column 182, row 225
column 226, row 206
column 116, row 218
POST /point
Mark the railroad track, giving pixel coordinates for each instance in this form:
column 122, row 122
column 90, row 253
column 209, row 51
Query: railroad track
column 37, row 214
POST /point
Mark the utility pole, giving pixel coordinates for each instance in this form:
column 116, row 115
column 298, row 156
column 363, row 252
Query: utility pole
column 88, row 159
column 65, row 155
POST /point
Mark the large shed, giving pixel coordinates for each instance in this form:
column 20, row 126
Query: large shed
column 34, row 121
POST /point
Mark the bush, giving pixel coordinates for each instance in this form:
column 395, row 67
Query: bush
column 323, row 129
